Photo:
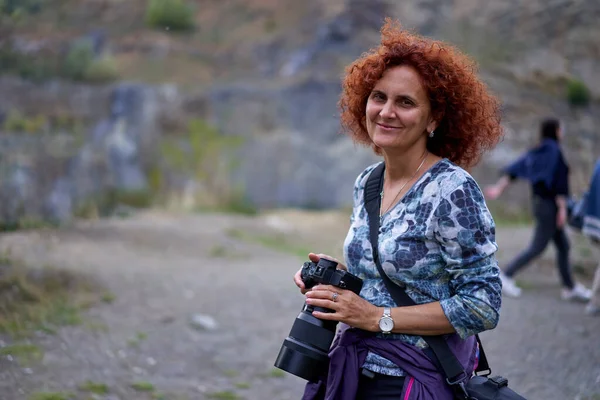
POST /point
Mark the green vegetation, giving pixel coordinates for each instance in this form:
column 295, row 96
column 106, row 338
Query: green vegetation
column 24, row 352
column 223, row 395
column 578, row 94
column 173, row 15
column 505, row 217
column 40, row 299
column 17, row 122
column 17, row 8
column 242, row 385
column 137, row 339
column 79, row 64
column 275, row 241
column 276, row 373
column 110, row 200
column 143, row 386
column 210, row 158
column 52, row 396
column 94, row 387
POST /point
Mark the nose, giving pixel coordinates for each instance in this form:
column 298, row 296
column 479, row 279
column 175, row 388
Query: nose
column 387, row 111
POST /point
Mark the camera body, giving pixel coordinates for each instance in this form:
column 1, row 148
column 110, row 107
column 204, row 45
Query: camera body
column 326, row 272
column 304, row 352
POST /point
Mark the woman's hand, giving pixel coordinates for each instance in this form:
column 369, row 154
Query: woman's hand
column 315, row 258
column 348, row 306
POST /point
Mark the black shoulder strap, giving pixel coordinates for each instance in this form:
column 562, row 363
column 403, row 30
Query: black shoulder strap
column 451, row 366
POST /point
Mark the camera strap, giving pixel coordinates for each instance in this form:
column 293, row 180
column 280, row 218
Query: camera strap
column 452, row 368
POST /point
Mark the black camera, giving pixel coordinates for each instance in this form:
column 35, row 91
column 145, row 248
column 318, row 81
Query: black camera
column 304, row 352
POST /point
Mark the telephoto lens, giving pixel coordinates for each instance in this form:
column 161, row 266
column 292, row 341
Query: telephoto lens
column 304, row 352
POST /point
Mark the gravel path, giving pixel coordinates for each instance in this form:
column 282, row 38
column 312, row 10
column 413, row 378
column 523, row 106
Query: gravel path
column 163, row 269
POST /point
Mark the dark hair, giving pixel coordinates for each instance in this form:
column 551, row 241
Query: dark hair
column 549, row 129
column 467, row 113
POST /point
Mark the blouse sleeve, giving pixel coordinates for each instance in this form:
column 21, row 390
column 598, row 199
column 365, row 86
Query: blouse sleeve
column 465, row 231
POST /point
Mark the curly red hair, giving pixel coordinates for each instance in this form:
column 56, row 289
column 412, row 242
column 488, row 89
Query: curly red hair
column 468, row 115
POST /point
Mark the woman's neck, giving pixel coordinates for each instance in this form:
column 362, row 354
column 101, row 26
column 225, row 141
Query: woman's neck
column 403, row 167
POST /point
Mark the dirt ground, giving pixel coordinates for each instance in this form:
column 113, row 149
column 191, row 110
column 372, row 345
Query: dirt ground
column 163, row 269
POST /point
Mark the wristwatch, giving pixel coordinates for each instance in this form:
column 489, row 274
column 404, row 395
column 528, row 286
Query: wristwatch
column 386, row 323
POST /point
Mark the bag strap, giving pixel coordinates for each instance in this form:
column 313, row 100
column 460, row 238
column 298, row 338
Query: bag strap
column 450, row 365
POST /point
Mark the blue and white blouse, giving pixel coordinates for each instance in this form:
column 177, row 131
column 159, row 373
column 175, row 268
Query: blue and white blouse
column 438, row 242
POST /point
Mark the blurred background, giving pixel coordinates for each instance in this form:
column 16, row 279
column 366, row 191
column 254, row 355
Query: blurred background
column 136, row 134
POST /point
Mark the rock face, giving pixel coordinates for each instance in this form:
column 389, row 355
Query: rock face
column 285, row 105
column 52, row 175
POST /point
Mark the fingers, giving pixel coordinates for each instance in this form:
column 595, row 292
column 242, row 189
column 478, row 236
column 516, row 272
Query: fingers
column 298, row 281
column 323, row 291
column 324, row 296
column 316, row 257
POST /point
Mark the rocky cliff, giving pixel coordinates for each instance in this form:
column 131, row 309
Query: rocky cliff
column 270, row 72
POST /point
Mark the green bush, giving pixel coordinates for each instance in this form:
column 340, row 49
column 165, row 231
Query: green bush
column 174, row 15
column 16, row 7
column 37, row 69
column 78, row 60
column 103, row 69
column 210, row 158
column 578, row 94
column 17, row 122
column 81, row 64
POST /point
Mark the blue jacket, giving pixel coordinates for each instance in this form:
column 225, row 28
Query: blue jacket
column 545, row 166
column 424, row 381
column 591, row 220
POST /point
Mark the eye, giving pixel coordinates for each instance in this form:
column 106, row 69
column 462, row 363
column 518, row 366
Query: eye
column 406, row 102
column 378, row 96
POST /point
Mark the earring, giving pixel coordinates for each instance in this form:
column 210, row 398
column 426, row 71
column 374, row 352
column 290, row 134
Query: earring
column 431, row 134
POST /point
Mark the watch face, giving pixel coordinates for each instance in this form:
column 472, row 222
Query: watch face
column 386, row 324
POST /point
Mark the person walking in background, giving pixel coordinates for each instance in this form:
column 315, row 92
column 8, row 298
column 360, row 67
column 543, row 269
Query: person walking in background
column 548, row 173
column 591, row 228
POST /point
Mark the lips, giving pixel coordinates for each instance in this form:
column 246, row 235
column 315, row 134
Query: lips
column 387, row 127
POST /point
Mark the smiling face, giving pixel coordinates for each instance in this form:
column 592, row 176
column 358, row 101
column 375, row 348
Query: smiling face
column 398, row 111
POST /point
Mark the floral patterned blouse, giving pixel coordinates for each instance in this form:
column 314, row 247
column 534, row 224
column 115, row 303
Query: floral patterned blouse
column 438, row 242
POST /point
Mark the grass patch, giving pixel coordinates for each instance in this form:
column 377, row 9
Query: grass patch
column 218, row 251
column 41, row 299
column 143, row 386
column 507, row 218
column 94, row 387
column 242, row 385
column 276, row 242
column 223, row 395
column 108, row 298
column 96, row 326
column 51, row 396
column 232, row 373
column 137, row 339
column 24, row 352
column 274, row 373
column 525, row 285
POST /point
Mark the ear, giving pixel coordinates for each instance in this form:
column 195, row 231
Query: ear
column 432, row 125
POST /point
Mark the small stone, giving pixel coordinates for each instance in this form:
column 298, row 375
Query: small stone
column 138, row 371
column 151, row 361
column 27, row 371
column 203, row 322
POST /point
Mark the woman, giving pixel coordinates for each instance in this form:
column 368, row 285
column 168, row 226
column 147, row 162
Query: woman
column 418, row 103
column 591, row 228
column 545, row 168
